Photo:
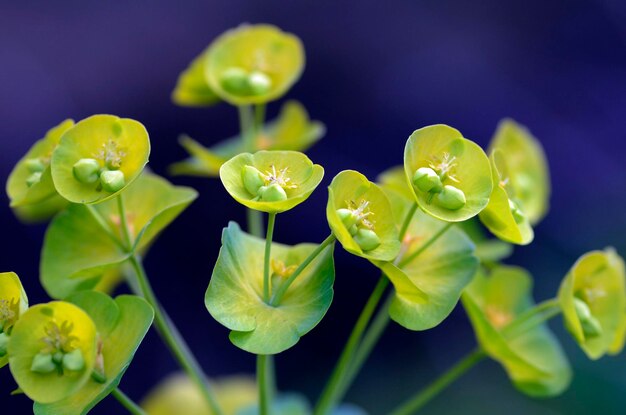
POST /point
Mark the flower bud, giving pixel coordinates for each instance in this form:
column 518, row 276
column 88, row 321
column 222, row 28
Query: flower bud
column 347, row 216
column 590, row 325
column 353, row 229
column 259, row 83
column 74, row 360
column 42, row 363
column 451, row 198
column 4, row 341
column 112, row 180
column 33, row 179
column 252, row 179
column 272, row 193
column 427, row 180
column 87, row 171
column 35, row 165
column 367, row 239
column 235, row 80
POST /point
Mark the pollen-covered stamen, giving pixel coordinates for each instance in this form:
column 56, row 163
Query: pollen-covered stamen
column 59, row 338
column 111, row 155
column 443, row 166
column 281, row 270
column 279, row 177
column 9, row 311
column 355, row 219
column 60, row 351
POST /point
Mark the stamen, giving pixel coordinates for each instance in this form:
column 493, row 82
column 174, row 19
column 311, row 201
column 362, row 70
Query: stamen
column 111, row 154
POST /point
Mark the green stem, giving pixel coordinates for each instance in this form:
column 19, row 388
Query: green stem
column 327, row 398
column 173, row 339
column 428, row 243
column 262, row 379
column 427, row 394
column 282, row 289
column 105, row 226
column 246, row 126
column 268, row 252
column 124, row 222
column 255, row 222
column 127, row 403
column 407, row 221
column 531, row 318
column 259, row 118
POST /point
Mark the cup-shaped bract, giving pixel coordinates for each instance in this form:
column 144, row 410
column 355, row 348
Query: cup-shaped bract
column 119, row 146
column 593, row 299
column 271, row 181
column 82, row 243
column 192, row 88
column 533, row 359
column 121, row 325
column 361, row 218
column 528, row 167
column 235, row 294
column 459, row 167
column 30, row 187
column 13, row 303
column 253, row 64
column 52, row 351
column 504, row 215
column 291, row 130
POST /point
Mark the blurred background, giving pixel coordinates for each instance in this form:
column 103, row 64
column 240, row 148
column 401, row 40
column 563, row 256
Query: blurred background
column 375, row 72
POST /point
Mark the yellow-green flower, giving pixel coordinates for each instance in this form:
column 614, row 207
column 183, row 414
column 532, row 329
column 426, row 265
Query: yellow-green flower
column 271, row 181
column 527, row 166
column 52, row 351
column 192, row 88
column 253, row 64
column 449, row 175
column 593, row 300
column 13, row 303
column 99, row 157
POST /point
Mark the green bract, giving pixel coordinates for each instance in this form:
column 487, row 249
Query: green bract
column 291, row 130
column 527, row 167
column 271, row 181
column 79, row 246
column 359, row 214
column 30, row 186
column 439, row 153
column 533, row 359
column 192, row 89
column 120, row 146
column 253, row 64
column 504, row 216
column 121, row 324
column 235, row 294
column 13, row 303
column 593, row 300
column 44, row 340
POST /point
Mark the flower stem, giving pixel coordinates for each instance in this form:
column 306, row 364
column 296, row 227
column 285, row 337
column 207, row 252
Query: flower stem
column 268, row 252
column 259, row 118
column 262, row 379
column 427, row 394
column 531, row 318
column 246, row 126
column 255, row 222
column 124, row 222
column 127, row 403
column 428, row 243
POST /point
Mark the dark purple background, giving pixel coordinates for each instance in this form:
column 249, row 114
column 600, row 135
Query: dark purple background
column 375, row 72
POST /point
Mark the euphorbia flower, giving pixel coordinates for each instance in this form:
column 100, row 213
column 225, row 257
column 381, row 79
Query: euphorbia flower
column 271, row 181
column 13, row 303
column 360, row 216
column 99, row 157
column 449, row 175
column 52, row 351
column 593, row 300
column 192, row 88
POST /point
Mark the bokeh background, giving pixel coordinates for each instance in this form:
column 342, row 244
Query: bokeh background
column 375, row 72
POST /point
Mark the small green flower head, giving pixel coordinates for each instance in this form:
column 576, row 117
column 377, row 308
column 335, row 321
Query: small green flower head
column 192, row 88
column 450, row 175
column 99, row 157
column 528, row 168
column 13, row 303
column 360, row 216
column 52, row 351
column 503, row 216
column 253, row 64
column 271, row 181
column 30, row 185
column 593, row 300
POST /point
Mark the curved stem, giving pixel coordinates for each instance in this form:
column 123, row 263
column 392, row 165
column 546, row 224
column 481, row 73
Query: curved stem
column 262, row 379
column 124, row 222
column 282, row 289
column 531, row 318
column 255, row 222
column 407, row 220
column 428, row 243
column 127, row 403
column 105, row 226
column 427, row 394
column 268, row 252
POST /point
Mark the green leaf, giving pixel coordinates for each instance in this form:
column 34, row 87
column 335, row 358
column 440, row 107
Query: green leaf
column 597, row 279
column 192, row 88
column 13, row 302
column 78, row 251
column 235, row 294
column 461, row 163
column 293, row 171
column 122, row 324
column 534, row 360
column 116, row 143
column 265, row 49
column 528, row 166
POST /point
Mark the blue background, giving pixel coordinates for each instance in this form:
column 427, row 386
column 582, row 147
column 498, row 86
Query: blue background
column 375, row 72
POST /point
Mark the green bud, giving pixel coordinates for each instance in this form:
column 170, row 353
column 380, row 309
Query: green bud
column 259, row 83
column 252, row 179
column 35, row 165
column 353, row 229
column 42, row 363
column 74, row 360
column 518, row 215
column 235, row 80
column 4, row 341
column 112, row 180
column 427, row 180
column 347, row 217
column 367, row 239
column 272, row 193
column 87, row 171
column 590, row 325
column 33, row 179
column 57, row 358
column 451, row 198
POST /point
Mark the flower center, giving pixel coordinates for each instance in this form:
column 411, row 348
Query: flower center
column 498, row 317
column 111, row 155
column 278, row 177
column 59, row 338
column 9, row 310
column 60, row 351
column 443, row 166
